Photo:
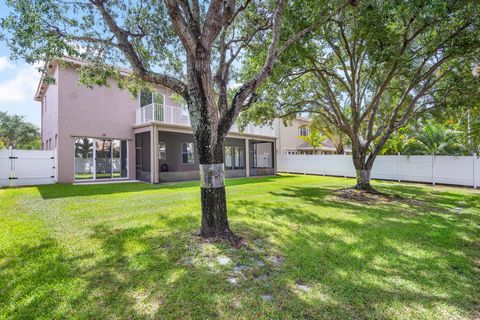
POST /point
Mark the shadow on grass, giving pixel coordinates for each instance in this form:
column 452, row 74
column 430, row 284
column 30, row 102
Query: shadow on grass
column 137, row 274
column 424, row 263
column 359, row 261
column 68, row 190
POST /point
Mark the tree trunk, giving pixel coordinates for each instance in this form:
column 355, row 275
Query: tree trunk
column 204, row 116
column 214, row 202
column 363, row 170
column 214, row 214
column 363, row 180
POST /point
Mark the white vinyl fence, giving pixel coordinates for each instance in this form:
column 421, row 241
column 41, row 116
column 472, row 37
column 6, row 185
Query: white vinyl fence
column 27, row 167
column 463, row 171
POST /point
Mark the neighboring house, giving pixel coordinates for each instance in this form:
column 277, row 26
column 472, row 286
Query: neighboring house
column 290, row 141
column 105, row 134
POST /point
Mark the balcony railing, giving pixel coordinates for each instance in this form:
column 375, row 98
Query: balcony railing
column 162, row 113
column 179, row 116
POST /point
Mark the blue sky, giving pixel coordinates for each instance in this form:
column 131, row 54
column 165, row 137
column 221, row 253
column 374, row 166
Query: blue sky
column 18, row 82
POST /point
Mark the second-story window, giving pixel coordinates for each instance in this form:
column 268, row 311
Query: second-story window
column 303, row 131
column 184, row 112
column 148, row 97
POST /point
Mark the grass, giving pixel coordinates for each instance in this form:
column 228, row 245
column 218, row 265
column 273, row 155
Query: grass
column 129, row 251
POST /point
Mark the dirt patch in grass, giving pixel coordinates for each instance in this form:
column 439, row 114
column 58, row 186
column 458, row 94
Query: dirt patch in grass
column 372, row 198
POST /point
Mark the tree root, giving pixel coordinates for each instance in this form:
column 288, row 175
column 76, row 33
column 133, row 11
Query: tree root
column 366, row 187
column 222, row 236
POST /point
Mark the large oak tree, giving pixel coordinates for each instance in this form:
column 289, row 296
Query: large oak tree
column 195, row 48
column 372, row 69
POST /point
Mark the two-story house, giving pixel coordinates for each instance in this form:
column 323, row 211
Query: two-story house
column 290, row 141
column 105, row 134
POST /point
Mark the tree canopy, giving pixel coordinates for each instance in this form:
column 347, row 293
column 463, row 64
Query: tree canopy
column 372, row 69
column 17, row 133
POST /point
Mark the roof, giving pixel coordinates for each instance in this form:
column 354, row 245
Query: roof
column 327, row 145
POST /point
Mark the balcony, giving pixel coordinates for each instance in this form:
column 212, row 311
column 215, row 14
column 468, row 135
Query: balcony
column 162, row 113
column 179, row 116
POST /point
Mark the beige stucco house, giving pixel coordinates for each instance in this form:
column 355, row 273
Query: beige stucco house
column 290, row 141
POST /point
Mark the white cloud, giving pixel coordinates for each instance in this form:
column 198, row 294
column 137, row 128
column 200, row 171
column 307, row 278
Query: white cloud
column 5, row 64
column 22, row 86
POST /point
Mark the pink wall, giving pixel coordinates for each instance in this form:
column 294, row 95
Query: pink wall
column 49, row 108
column 74, row 110
column 99, row 112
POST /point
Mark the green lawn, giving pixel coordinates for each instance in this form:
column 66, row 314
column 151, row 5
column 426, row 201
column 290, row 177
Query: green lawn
column 129, row 251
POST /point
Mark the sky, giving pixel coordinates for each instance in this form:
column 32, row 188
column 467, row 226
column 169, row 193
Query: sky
column 18, row 82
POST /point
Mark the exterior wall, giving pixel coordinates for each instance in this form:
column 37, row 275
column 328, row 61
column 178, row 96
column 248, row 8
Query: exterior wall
column 49, row 109
column 288, row 134
column 100, row 112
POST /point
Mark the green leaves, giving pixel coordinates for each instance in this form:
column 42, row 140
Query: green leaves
column 427, row 137
column 315, row 138
column 17, row 133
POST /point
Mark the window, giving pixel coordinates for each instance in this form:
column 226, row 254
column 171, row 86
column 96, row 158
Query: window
column 229, row 157
column 162, row 151
column 234, row 157
column 100, row 158
column 303, row 131
column 56, row 140
column 239, row 158
column 187, row 152
column 147, row 98
column 45, row 104
column 184, row 113
column 84, row 158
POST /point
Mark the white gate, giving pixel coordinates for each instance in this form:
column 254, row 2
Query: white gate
column 27, row 167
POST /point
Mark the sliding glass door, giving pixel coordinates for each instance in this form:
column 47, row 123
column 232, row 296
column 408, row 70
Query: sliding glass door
column 103, row 160
column 100, row 159
column 84, row 158
column 119, row 159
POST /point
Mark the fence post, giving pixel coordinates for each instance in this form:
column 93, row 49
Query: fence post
column 55, row 163
column 305, row 164
column 398, row 166
column 323, row 169
column 344, row 164
column 474, row 171
column 433, row 169
column 287, row 162
column 12, row 167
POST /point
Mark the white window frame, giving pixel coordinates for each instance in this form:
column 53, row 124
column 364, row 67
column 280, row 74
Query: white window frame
column 94, row 158
column 151, row 93
column 165, row 152
column 182, row 153
column 302, row 128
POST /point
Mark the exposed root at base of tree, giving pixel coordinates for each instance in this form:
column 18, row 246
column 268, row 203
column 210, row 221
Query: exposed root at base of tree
column 224, row 236
column 365, row 187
